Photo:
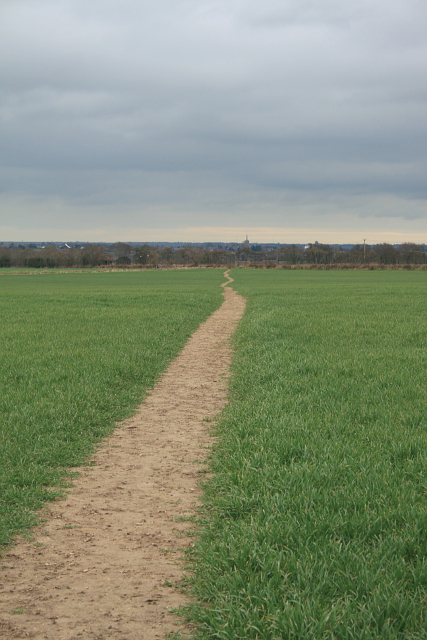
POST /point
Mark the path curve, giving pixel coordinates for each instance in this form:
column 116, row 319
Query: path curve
column 97, row 568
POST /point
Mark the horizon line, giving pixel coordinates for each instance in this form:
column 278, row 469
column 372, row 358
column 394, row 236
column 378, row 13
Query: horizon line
column 261, row 242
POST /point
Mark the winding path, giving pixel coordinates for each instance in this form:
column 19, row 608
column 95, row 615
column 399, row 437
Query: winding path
column 99, row 567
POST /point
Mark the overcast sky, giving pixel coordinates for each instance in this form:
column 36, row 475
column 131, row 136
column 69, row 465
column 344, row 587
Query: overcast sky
column 287, row 120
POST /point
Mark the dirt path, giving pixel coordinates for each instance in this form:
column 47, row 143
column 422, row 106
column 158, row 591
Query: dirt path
column 97, row 568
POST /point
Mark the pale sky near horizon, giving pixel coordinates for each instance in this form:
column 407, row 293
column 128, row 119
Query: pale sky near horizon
column 186, row 120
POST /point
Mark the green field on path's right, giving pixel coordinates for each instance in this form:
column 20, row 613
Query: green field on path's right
column 315, row 519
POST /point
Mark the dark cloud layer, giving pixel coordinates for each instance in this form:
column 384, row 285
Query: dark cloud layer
column 177, row 113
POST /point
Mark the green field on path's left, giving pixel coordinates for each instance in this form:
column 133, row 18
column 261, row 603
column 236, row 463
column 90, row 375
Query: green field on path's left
column 78, row 352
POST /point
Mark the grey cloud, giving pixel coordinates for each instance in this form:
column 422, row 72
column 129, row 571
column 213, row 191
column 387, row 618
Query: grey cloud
column 119, row 103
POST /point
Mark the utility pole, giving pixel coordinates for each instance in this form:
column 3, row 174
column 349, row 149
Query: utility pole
column 364, row 250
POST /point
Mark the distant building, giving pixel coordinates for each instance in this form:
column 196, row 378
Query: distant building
column 125, row 260
column 245, row 244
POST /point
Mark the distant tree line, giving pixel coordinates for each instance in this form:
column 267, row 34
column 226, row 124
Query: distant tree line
column 387, row 254
column 124, row 255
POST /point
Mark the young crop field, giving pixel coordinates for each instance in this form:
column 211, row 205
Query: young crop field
column 314, row 524
column 78, row 351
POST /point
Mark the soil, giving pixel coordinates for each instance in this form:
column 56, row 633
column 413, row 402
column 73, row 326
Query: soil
column 102, row 563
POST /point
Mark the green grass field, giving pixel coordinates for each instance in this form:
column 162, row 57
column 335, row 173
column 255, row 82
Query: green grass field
column 314, row 523
column 78, row 352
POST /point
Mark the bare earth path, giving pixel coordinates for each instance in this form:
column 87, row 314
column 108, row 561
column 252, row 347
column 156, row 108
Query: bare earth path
column 97, row 568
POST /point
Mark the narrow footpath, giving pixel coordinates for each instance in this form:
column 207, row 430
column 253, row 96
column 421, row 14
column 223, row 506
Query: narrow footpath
column 100, row 565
